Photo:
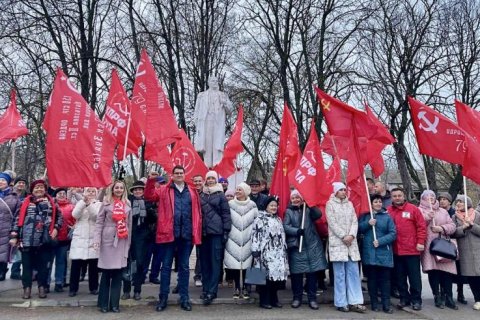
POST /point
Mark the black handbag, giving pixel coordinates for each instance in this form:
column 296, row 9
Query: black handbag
column 444, row 247
column 257, row 276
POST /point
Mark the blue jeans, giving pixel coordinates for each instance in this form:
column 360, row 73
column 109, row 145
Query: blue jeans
column 60, row 255
column 183, row 248
column 156, row 261
column 347, row 286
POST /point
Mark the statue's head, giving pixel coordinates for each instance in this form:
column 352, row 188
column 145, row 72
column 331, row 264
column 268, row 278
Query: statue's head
column 213, row 83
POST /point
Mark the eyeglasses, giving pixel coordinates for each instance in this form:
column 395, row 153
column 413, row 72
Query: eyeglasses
column 178, row 173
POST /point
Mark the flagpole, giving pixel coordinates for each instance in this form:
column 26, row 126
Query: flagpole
column 126, row 136
column 13, row 155
column 302, row 227
column 370, row 207
column 465, row 193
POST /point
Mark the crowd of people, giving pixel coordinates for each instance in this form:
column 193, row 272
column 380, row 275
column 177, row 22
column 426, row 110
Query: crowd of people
column 129, row 237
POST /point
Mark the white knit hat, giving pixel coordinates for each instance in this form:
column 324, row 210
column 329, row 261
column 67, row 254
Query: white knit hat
column 338, row 186
column 245, row 187
column 295, row 192
column 212, row 173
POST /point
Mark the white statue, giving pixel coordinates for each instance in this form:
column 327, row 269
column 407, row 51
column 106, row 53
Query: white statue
column 211, row 108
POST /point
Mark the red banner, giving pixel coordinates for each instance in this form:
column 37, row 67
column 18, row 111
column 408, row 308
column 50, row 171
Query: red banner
column 151, row 110
column 117, row 117
column 309, row 176
column 11, row 122
column 234, row 146
column 437, row 136
column 79, row 149
column 184, row 154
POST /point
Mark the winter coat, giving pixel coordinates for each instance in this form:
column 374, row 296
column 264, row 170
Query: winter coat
column 143, row 227
column 342, row 222
column 238, row 253
column 113, row 252
column 41, row 216
column 260, row 200
column 469, row 245
column 386, row 200
column 66, row 208
column 9, row 204
column 81, row 247
column 216, row 218
column 312, row 258
column 386, row 233
column 165, row 198
column 411, row 229
column 437, row 217
column 268, row 239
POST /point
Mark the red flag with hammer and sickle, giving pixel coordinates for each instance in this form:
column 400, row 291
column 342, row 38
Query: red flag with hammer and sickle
column 437, row 136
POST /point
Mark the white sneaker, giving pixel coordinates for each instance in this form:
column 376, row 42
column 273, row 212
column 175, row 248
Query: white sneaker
column 198, row 283
column 476, row 305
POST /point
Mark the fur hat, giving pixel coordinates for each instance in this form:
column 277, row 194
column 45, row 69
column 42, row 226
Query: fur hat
column 35, row 182
column 18, row 179
column 445, row 195
column 211, row 173
column 338, row 186
column 245, row 187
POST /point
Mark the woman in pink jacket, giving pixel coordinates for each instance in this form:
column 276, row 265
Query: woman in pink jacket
column 440, row 272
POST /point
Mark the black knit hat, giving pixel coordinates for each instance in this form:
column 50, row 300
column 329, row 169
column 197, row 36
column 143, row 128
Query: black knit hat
column 20, row 179
column 137, row 184
column 59, row 190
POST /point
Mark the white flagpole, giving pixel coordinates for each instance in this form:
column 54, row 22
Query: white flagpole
column 370, row 207
column 465, row 194
column 302, row 227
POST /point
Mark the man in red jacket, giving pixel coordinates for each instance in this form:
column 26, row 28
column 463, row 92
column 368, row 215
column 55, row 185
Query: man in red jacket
column 410, row 242
column 179, row 227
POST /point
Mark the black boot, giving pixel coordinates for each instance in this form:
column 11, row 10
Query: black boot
column 438, row 301
column 3, row 270
column 450, row 303
column 460, row 296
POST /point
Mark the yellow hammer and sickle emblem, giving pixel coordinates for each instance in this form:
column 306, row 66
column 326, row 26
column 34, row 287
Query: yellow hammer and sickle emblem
column 325, row 104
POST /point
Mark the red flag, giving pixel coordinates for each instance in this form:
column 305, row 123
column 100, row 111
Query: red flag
column 151, row 110
column 287, row 157
column 382, row 133
column 79, row 149
column 234, row 146
column 309, row 176
column 437, row 136
column 163, row 157
column 357, row 192
column 184, row 154
column 117, row 117
column 468, row 120
column 11, row 122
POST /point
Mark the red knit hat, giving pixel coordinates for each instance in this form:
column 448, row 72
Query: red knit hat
column 34, row 183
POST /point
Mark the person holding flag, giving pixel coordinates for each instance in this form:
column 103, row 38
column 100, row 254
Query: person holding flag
column 343, row 250
column 377, row 254
column 307, row 259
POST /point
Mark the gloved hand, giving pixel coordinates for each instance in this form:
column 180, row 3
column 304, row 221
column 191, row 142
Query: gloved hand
column 256, row 254
column 225, row 237
column 300, row 232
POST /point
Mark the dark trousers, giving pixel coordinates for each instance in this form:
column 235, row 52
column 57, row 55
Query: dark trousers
column 3, row 268
column 211, row 252
column 235, row 273
column 440, row 281
column 138, row 254
column 110, row 287
column 268, row 294
column 183, row 248
column 76, row 270
column 198, row 265
column 157, row 258
column 474, row 283
column 310, row 285
column 35, row 258
column 378, row 278
column 408, row 268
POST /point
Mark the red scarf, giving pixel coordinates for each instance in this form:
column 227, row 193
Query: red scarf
column 24, row 208
column 119, row 216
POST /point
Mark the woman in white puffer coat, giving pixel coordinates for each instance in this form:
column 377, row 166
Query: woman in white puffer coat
column 238, row 254
column 81, row 248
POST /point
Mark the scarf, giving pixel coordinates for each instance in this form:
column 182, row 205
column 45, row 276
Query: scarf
column 119, row 216
column 138, row 209
column 31, row 199
column 5, row 192
column 215, row 188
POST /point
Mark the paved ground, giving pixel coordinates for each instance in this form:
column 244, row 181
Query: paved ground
column 59, row 306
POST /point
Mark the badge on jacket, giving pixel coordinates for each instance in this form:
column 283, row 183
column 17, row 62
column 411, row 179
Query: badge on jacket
column 406, row 214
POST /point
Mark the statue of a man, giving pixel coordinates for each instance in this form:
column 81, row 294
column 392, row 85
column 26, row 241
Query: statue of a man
column 211, row 109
